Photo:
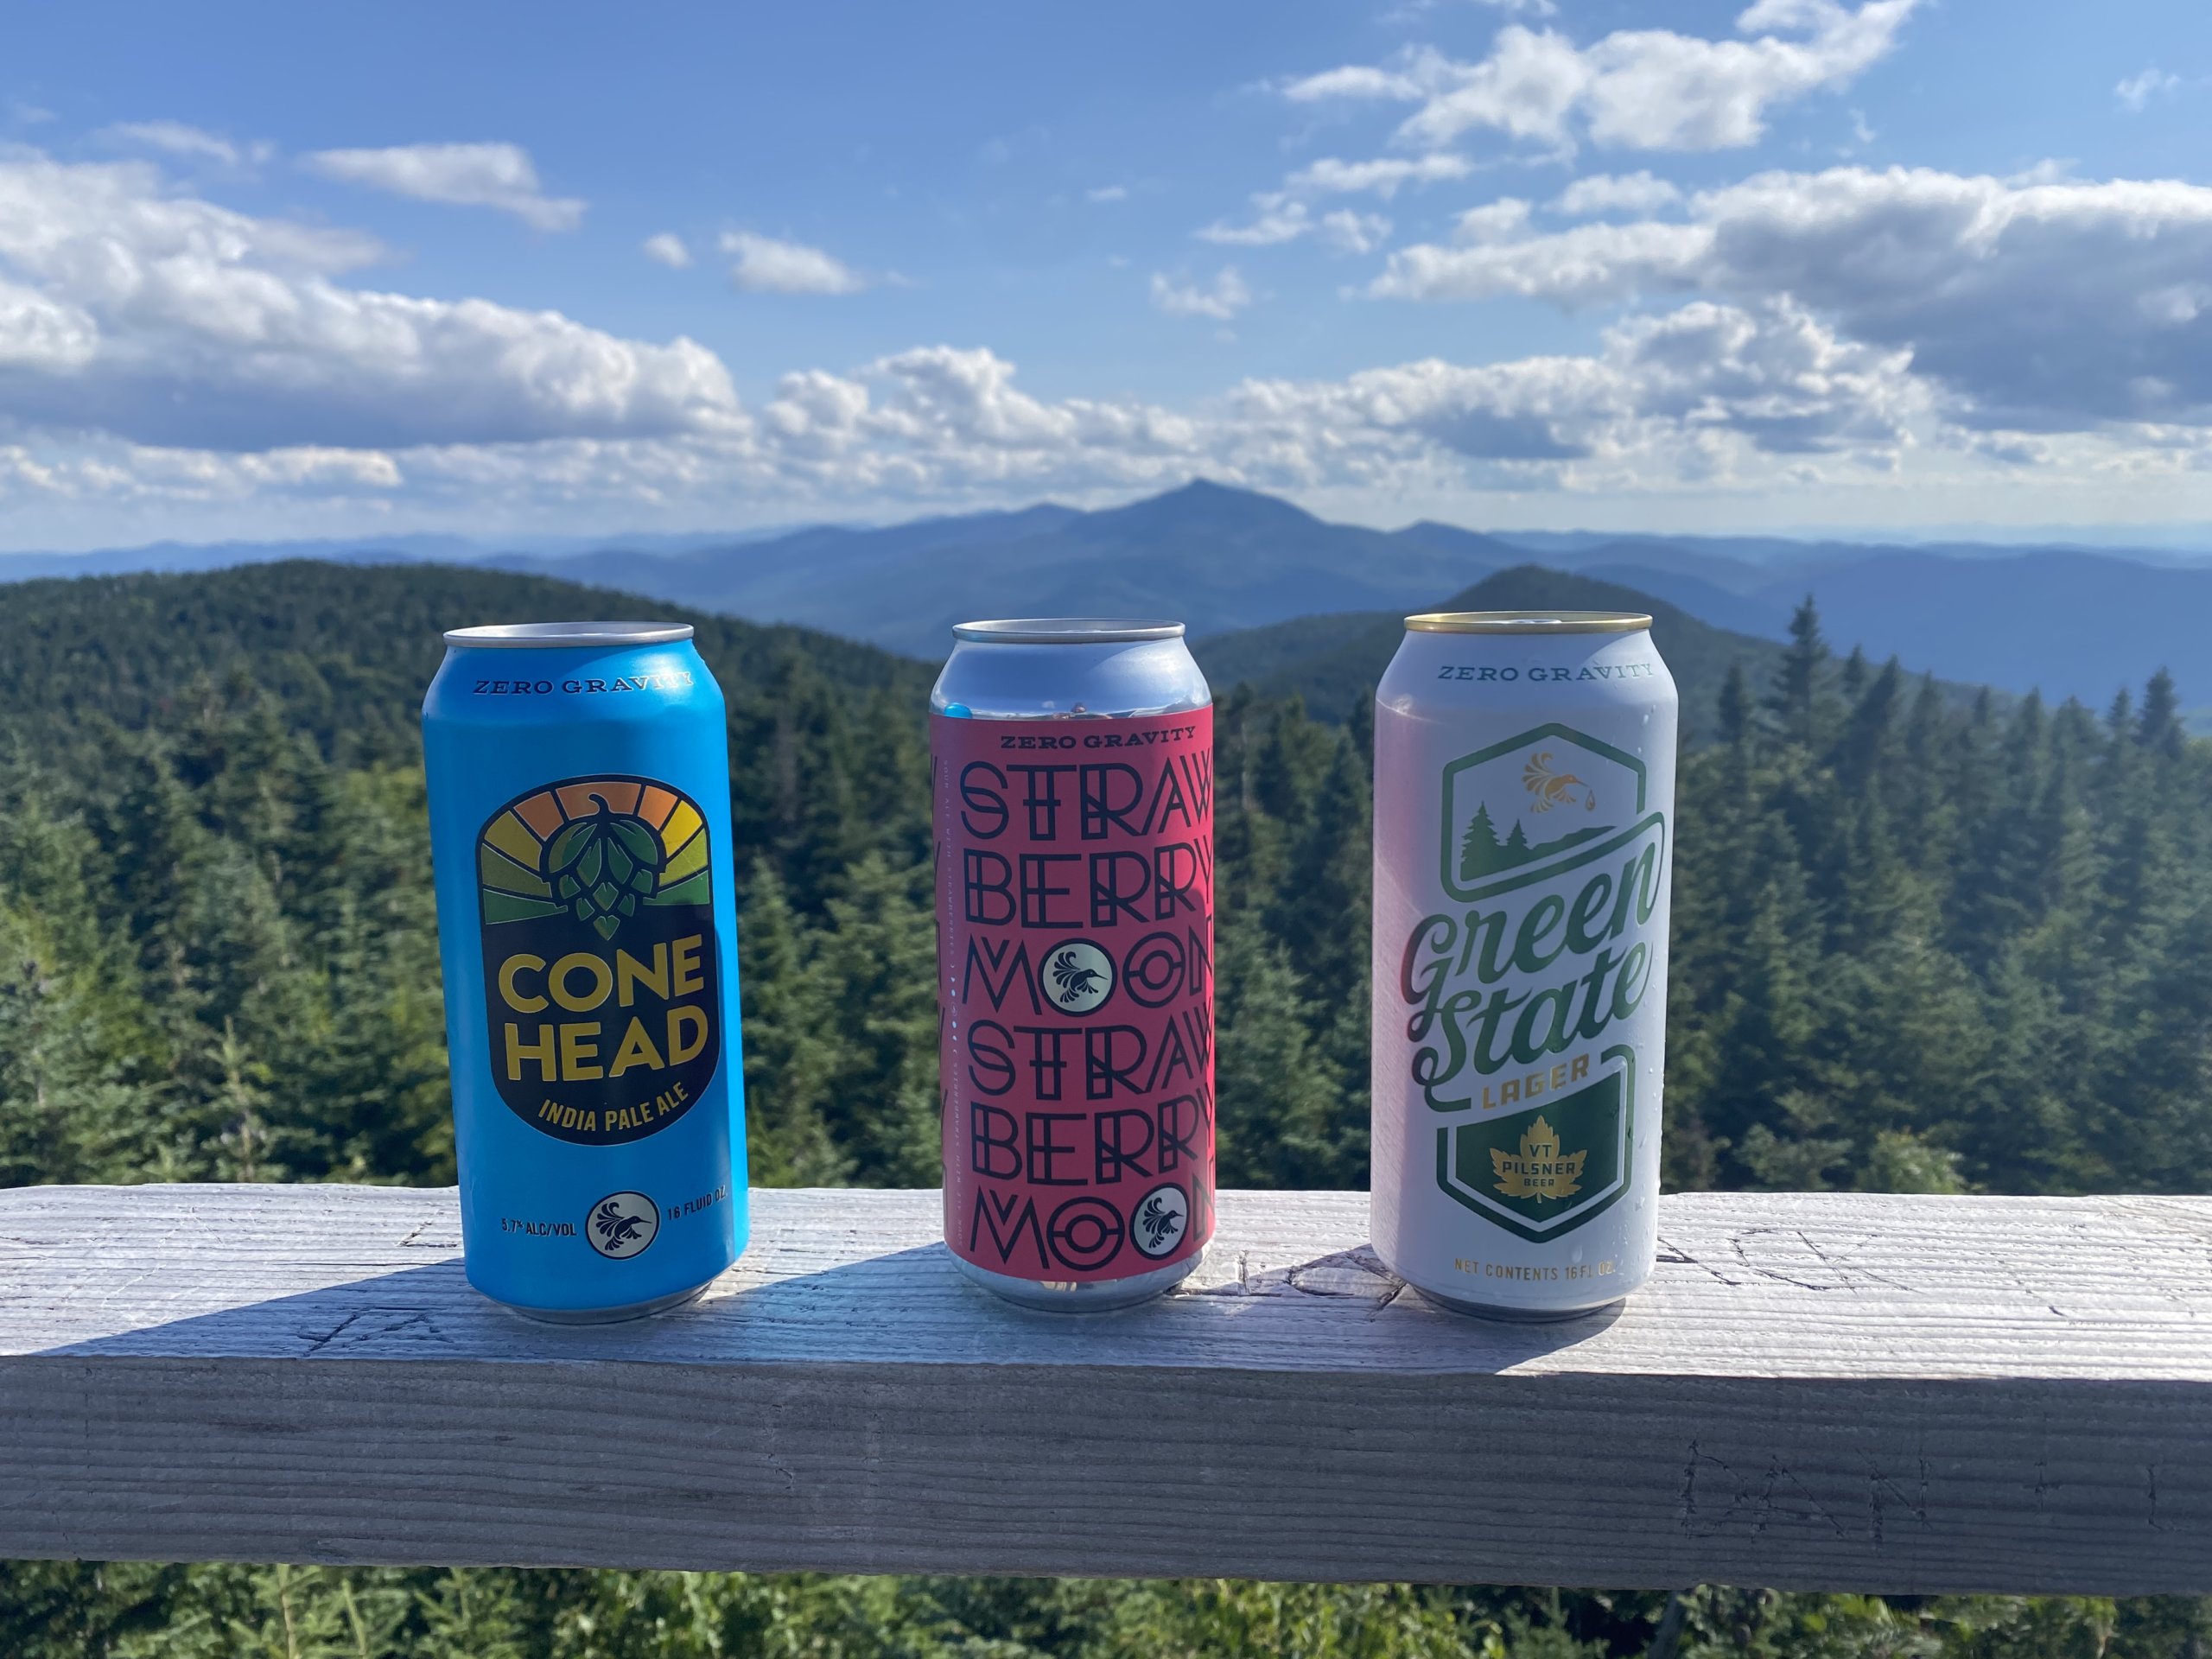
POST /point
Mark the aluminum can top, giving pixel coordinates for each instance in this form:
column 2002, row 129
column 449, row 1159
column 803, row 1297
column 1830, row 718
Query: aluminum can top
column 1061, row 666
column 562, row 636
column 1528, row 622
column 1066, row 631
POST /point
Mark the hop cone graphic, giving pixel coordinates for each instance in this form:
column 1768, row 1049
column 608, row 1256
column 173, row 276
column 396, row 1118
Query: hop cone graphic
column 601, row 866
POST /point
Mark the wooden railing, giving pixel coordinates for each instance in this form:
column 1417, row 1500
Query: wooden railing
column 1820, row 1391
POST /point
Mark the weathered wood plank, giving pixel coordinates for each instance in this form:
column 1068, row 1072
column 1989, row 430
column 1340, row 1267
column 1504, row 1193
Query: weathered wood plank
column 1818, row 1391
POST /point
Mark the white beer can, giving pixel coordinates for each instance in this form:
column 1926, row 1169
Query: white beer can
column 1524, row 807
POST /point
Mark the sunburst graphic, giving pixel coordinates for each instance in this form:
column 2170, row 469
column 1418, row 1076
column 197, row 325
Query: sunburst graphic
column 596, row 848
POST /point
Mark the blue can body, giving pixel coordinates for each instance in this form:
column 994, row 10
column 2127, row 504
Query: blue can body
column 578, row 794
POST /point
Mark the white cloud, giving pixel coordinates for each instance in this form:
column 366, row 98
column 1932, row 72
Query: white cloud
column 2136, row 92
column 175, row 138
column 43, row 334
column 1362, row 80
column 1845, row 331
column 1280, row 221
column 1107, row 192
column 1655, row 90
column 1783, row 380
column 163, row 350
column 1704, row 403
column 1669, row 396
column 111, row 472
column 766, row 265
column 29, row 115
column 1589, row 264
column 2038, row 306
column 1638, row 89
column 1606, row 193
column 1330, row 176
column 1494, row 221
column 1351, row 232
column 1283, row 215
column 135, row 311
column 1224, row 299
column 1525, row 89
column 500, row 176
column 667, row 249
column 1286, row 221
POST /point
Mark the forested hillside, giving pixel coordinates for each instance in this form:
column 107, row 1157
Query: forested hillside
column 1332, row 662
column 1920, row 945
column 344, row 650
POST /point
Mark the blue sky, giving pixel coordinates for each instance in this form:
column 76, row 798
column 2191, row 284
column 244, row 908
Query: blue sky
column 1878, row 265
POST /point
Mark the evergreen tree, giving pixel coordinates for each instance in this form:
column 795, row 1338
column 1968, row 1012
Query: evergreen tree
column 1479, row 852
column 1852, row 681
column 2159, row 727
column 788, row 1062
column 872, row 972
column 1736, row 711
column 1278, row 1099
column 1321, row 915
column 1797, row 683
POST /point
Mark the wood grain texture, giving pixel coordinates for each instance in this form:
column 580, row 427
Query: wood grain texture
column 1904, row 1394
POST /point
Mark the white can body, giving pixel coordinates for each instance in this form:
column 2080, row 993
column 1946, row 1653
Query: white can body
column 1524, row 807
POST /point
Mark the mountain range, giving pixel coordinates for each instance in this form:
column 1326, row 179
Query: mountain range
column 2068, row 621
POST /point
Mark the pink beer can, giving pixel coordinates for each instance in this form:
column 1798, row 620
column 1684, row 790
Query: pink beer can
column 1071, row 770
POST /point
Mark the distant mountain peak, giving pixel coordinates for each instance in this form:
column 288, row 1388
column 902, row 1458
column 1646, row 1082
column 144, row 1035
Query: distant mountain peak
column 1204, row 489
column 1204, row 500
column 1204, row 504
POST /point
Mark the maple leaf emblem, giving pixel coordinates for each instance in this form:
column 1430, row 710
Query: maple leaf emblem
column 1541, row 1171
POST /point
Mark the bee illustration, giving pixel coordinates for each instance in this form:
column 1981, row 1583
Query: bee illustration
column 1075, row 981
column 1553, row 789
column 616, row 1227
column 1158, row 1222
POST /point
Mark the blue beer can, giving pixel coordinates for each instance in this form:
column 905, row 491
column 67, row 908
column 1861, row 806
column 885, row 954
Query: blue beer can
column 579, row 793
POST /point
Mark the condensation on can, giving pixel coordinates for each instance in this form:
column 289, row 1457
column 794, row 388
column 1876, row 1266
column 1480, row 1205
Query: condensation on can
column 1082, row 683
column 578, row 776
column 1524, row 785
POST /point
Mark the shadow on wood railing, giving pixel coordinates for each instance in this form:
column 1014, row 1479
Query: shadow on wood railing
column 1818, row 1391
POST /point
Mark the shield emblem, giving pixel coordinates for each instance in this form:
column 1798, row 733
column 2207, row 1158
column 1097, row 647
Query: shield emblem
column 1562, row 1160
column 602, row 971
column 1534, row 806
